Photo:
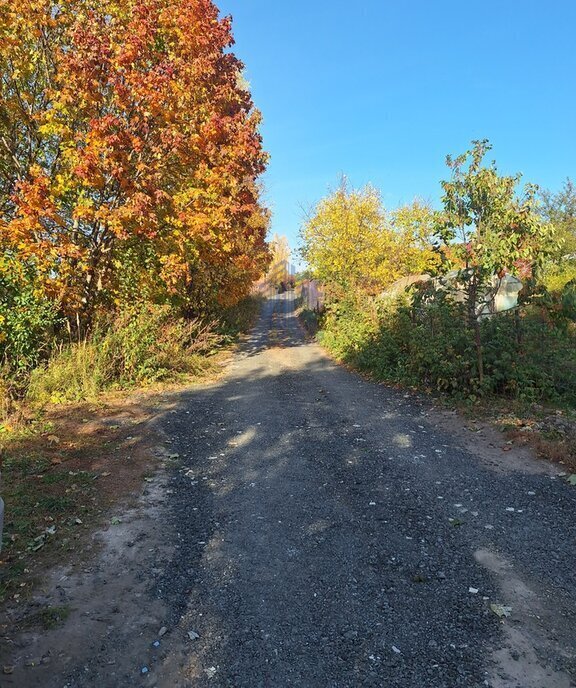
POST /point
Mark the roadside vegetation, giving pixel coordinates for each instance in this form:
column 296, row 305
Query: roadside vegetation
column 131, row 232
column 131, row 225
column 439, row 330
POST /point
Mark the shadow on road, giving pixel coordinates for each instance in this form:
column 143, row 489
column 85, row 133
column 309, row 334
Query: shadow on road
column 343, row 531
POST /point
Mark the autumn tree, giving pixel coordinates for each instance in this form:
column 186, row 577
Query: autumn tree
column 131, row 153
column 559, row 209
column 352, row 243
column 414, row 227
column 488, row 229
column 279, row 272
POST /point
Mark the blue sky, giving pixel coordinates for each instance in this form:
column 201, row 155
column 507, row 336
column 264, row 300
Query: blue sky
column 382, row 91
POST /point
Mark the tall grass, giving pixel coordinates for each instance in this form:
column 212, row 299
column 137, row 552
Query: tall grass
column 139, row 347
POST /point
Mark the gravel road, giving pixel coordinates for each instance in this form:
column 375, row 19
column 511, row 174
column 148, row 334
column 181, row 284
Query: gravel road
column 319, row 530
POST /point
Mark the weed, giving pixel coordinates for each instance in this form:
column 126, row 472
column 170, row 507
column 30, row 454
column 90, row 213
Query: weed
column 528, row 355
column 138, row 348
column 48, row 618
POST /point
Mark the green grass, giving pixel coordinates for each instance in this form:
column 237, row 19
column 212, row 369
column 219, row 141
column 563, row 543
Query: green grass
column 138, row 348
column 48, row 618
column 39, row 498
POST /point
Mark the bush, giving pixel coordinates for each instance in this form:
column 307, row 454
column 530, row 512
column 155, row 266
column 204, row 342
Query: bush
column 557, row 275
column 139, row 347
column 27, row 319
column 239, row 318
column 423, row 341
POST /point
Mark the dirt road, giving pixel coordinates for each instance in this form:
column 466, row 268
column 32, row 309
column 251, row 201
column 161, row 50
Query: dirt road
column 313, row 529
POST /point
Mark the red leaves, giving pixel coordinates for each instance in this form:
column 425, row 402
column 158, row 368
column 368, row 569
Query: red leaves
column 147, row 135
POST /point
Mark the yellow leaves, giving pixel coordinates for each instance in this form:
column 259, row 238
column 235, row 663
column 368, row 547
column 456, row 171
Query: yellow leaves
column 352, row 242
column 150, row 148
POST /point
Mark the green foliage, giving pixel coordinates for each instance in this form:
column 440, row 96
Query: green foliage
column 239, row 318
column 559, row 209
column 27, row 318
column 423, row 341
column 139, row 347
column 440, row 339
column 557, row 274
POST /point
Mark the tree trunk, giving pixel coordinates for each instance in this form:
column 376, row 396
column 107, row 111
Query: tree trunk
column 479, row 352
column 474, row 325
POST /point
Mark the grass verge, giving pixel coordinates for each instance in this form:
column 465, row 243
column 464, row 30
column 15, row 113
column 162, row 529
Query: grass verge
column 80, row 444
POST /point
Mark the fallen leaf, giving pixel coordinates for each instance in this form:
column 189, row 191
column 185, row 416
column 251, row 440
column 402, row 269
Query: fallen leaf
column 193, row 635
column 571, row 479
column 501, row 611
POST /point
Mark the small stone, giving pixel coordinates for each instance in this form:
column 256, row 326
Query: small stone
column 396, row 650
column 144, row 670
column 162, row 631
column 7, row 669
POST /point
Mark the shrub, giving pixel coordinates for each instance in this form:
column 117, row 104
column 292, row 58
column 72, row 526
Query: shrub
column 240, row 317
column 423, row 341
column 27, row 318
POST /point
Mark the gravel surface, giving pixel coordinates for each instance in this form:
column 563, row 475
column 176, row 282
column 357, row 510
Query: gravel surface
column 319, row 530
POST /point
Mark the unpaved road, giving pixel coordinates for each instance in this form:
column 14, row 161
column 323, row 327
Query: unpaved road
column 318, row 530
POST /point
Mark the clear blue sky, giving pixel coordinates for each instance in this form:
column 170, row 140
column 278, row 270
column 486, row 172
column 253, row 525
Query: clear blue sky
column 383, row 90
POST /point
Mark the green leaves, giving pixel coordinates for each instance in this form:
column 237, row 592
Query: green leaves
column 486, row 225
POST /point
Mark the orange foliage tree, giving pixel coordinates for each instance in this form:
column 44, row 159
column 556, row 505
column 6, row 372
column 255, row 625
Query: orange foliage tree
column 129, row 153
